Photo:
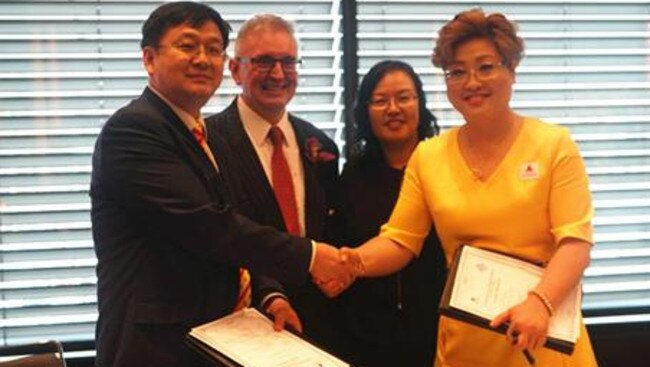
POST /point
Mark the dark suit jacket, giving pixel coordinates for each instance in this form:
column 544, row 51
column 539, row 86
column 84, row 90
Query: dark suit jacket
column 168, row 243
column 255, row 198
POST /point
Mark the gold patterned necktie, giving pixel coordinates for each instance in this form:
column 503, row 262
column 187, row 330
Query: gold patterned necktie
column 199, row 134
column 245, row 294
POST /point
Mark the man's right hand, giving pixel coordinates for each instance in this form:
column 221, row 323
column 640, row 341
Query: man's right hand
column 333, row 270
column 283, row 315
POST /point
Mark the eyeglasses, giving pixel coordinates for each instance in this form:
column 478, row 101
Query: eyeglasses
column 484, row 72
column 192, row 49
column 264, row 64
column 401, row 100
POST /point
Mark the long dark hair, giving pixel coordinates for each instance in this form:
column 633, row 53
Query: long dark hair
column 365, row 144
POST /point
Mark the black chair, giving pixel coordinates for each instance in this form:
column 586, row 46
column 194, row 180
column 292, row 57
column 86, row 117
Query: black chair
column 45, row 354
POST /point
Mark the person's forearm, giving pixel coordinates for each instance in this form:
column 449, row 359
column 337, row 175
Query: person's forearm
column 565, row 270
column 382, row 256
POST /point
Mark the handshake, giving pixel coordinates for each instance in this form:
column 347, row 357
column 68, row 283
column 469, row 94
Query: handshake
column 334, row 270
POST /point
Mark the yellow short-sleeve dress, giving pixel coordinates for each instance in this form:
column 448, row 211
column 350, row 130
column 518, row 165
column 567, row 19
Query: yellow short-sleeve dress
column 537, row 195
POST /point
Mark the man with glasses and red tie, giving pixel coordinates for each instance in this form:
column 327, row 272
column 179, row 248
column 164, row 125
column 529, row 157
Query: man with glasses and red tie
column 287, row 169
column 169, row 245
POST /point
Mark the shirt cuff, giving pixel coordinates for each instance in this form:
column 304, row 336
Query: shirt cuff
column 269, row 297
column 313, row 255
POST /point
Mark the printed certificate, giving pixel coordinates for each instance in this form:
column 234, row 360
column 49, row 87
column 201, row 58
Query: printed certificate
column 246, row 338
column 483, row 283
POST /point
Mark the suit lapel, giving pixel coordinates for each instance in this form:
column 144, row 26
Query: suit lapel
column 198, row 159
column 251, row 176
column 252, row 172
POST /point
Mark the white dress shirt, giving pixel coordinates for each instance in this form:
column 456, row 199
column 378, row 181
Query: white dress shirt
column 257, row 129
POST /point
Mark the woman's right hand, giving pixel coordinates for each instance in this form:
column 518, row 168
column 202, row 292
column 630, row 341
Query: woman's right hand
column 527, row 323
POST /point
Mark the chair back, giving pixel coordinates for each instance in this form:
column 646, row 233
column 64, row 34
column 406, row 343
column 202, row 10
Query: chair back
column 46, row 354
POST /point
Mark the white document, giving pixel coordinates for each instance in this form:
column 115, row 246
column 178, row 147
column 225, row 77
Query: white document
column 488, row 283
column 248, row 338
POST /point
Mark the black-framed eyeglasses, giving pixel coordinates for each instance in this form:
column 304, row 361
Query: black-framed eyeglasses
column 265, row 63
column 193, row 49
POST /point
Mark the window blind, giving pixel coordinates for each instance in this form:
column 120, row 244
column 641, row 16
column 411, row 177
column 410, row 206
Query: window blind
column 65, row 66
column 587, row 68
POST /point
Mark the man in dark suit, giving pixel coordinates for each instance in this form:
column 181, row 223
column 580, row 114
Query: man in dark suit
column 264, row 66
column 169, row 245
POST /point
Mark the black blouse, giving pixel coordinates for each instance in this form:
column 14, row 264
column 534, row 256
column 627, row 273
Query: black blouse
column 401, row 308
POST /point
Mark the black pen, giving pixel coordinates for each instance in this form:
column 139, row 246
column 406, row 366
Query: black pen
column 529, row 356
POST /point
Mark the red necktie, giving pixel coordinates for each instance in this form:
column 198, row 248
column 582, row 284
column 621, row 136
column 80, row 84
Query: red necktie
column 283, row 184
column 244, row 298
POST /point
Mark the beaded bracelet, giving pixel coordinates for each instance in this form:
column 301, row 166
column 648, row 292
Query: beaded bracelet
column 544, row 300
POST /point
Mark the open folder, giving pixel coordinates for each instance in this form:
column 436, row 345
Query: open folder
column 483, row 283
column 246, row 338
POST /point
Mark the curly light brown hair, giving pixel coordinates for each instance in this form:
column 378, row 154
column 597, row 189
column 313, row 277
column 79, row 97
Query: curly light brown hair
column 472, row 24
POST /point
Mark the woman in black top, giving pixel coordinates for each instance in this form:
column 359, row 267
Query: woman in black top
column 391, row 320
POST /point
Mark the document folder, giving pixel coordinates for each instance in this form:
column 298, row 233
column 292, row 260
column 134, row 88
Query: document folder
column 483, row 283
column 246, row 339
column 209, row 353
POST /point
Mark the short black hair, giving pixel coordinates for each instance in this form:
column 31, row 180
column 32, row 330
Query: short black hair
column 173, row 14
column 475, row 24
column 365, row 143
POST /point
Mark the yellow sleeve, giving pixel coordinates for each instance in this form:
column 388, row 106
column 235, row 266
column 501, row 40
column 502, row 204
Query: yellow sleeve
column 410, row 221
column 570, row 200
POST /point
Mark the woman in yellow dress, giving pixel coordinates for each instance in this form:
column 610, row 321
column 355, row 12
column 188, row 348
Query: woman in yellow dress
column 501, row 181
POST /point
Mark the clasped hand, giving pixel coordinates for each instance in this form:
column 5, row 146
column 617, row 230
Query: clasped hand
column 335, row 270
